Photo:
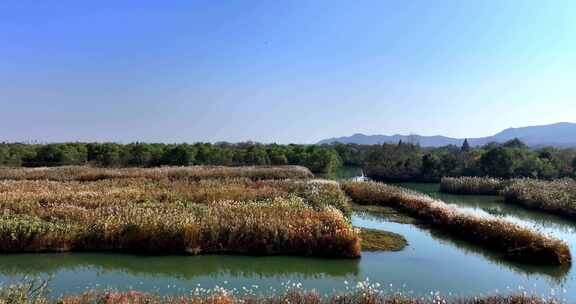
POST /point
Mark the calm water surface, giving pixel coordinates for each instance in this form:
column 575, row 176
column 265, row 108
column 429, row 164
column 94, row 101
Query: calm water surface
column 355, row 173
column 431, row 262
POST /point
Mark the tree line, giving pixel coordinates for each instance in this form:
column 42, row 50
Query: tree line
column 512, row 159
column 320, row 159
column 390, row 162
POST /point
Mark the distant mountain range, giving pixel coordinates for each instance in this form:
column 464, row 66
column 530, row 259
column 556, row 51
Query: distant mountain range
column 558, row 135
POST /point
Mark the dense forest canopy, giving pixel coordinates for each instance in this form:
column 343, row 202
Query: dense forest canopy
column 319, row 159
column 409, row 162
column 393, row 162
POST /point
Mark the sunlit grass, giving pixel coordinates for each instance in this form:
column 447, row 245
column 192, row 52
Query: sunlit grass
column 513, row 241
column 84, row 173
column 278, row 226
column 378, row 240
column 39, row 197
column 558, row 196
column 164, row 215
column 552, row 196
column 471, row 185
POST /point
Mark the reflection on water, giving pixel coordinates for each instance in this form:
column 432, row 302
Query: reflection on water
column 354, row 173
column 430, row 262
column 75, row 272
column 557, row 274
column 182, row 267
column 467, row 269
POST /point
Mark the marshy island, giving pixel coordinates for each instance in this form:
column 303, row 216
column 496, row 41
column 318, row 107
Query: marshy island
column 293, row 224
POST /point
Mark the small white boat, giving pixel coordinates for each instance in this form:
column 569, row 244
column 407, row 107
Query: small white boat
column 360, row 178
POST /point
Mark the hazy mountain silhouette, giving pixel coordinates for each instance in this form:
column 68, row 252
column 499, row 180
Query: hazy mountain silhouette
column 559, row 135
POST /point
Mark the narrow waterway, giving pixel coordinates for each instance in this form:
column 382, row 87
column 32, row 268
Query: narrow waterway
column 550, row 224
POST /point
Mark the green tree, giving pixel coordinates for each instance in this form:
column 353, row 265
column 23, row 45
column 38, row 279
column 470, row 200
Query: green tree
column 138, row 154
column 278, row 158
column 394, row 162
column 431, row 167
column 256, row 155
column 239, row 156
column 450, row 165
column 547, row 170
column 546, row 153
column 222, row 156
column 515, row 143
column 22, row 155
column 297, row 155
column 60, row 155
column 203, row 153
column 530, row 167
column 350, row 154
column 498, row 162
column 323, row 160
column 105, row 155
column 179, row 155
column 465, row 146
column 4, row 154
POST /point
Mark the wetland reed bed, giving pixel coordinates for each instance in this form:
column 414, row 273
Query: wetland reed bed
column 556, row 196
column 471, row 185
column 512, row 241
column 181, row 216
column 86, row 173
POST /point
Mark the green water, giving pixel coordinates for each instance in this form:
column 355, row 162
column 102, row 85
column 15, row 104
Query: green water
column 431, row 262
column 343, row 173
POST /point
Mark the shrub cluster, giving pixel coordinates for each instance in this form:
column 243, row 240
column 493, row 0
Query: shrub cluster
column 514, row 242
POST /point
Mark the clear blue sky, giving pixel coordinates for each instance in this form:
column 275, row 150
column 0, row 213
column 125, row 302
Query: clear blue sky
column 282, row 71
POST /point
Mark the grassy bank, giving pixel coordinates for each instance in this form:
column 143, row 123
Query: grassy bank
column 471, row 185
column 386, row 213
column 514, row 242
column 378, row 240
column 84, row 173
column 163, row 215
column 362, row 293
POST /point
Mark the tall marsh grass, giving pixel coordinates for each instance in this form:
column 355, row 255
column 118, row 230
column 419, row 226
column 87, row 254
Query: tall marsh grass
column 301, row 217
column 557, row 196
column 85, row 173
column 24, row 195
column 281, row 226
column 514, row 242
column 471, row 185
